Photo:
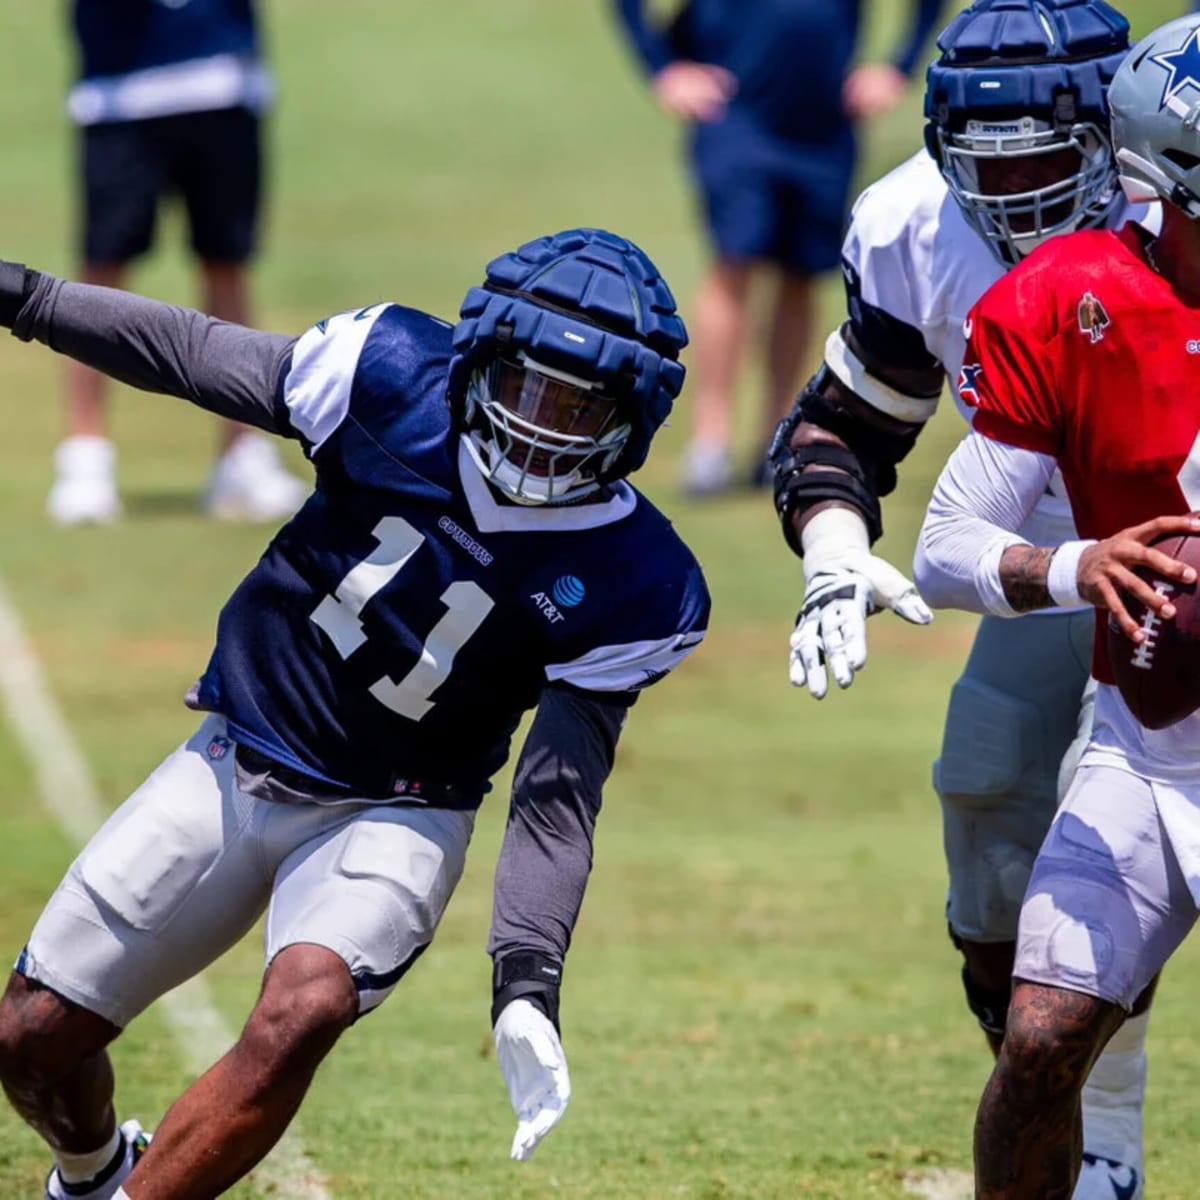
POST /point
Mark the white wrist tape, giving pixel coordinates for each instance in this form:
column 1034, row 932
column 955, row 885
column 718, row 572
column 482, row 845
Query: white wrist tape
column 1062, row 579
column 829, row 534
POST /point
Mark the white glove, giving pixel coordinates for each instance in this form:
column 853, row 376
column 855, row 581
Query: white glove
column 846, row 583
column 535, row 1070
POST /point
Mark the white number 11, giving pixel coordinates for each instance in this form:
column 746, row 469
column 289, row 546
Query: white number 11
column 467, row 604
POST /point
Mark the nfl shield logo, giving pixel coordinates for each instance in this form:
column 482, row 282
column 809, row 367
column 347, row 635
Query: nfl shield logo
column 218, row 748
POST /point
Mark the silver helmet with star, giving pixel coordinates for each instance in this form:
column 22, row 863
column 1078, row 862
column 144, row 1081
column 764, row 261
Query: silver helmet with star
column 1154, row 99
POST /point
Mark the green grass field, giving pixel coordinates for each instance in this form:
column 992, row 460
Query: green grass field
column 761, row 1000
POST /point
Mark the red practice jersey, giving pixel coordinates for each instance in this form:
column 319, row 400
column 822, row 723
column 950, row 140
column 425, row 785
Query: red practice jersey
column 1085, row 353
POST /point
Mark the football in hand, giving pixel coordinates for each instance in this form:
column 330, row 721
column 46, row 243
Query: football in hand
column 1160, row 678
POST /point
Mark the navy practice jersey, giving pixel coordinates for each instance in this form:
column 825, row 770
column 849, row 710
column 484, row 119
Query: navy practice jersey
column 399, row 625
column 790, row 57
column 140, row 59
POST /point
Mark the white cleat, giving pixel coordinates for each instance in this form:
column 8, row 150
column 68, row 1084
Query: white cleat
column 705, row 470
column 1105, row 1179
column 249, row 483
column 85, row 482
column 134, row 1140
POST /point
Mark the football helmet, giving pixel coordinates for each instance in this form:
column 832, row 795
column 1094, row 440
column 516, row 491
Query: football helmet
column 565, row 363
column 1155, row 102
column 1017, row 119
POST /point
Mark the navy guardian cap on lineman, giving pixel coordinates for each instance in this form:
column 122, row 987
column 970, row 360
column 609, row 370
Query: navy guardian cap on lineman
column 1023, row 79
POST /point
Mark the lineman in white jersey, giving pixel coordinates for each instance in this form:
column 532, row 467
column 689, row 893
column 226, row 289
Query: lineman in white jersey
column 1018, row 152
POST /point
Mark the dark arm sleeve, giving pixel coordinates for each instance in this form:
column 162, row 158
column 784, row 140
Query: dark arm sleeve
column 926, row 15
column 651, row 44
column 547, row 850
column 227, row 369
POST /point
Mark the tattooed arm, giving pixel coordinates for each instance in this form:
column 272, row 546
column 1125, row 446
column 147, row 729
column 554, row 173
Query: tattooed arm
column 969, row 555
column 1023, row 574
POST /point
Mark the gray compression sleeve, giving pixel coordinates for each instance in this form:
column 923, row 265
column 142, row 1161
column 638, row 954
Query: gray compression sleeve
column 227, row 369
column 547, row 851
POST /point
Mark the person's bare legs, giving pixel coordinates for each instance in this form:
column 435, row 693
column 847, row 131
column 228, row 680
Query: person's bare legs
column 86, row 389
column 1029, row 1131
column 226, row 294
column 84, row 490
column 229, row 1119
column 787, row 346
column 720, row 328
column 54, row 1067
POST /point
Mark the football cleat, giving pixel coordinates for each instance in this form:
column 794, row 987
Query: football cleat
column 249, row 483
column 134, row 1140
column 1106, row 1179
column 85, row 482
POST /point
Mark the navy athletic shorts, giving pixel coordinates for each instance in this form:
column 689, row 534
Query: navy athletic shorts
column 210, row 160
column 770, row 199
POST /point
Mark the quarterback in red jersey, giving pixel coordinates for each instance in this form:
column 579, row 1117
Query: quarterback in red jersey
column 1084, row 358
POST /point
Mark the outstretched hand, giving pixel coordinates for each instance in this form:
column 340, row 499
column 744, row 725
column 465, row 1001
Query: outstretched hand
column 845, row 584
column 535, row 1071
column 831, row 629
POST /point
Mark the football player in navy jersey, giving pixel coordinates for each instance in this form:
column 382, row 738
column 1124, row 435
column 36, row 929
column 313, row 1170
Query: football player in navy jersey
column 471, row 551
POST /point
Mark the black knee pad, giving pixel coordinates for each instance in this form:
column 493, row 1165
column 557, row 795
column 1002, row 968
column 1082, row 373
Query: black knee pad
column 990, row 1007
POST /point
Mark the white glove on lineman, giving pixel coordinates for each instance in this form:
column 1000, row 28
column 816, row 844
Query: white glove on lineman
column 846, row 583
column 535, row 1070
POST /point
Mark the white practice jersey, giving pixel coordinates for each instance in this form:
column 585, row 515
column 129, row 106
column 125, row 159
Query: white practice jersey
column 910, row 253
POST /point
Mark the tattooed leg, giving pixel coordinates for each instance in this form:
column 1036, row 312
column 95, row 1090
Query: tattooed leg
column 1028, row 1133
column 54, row 1068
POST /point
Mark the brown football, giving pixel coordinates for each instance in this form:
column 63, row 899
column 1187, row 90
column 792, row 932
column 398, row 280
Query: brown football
column 1160, row 679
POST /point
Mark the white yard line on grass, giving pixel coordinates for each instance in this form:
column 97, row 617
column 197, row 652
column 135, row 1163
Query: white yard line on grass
column 68, row 792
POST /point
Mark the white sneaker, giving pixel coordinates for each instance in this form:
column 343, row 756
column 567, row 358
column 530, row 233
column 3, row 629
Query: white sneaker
column 1104, row 1179
column 85, row 482
column 706, row 469
column 249, row 483
column 134, row 1140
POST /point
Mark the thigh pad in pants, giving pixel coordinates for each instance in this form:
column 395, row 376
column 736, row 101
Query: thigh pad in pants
column 1108, row 903
column 1011, row 718
column 372, row 890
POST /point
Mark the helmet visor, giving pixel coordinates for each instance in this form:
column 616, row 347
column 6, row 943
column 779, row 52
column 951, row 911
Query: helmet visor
column 564, row 411
column 541, row 435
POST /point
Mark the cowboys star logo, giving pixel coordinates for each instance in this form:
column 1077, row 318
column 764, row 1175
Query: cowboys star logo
column 1093, row 317
column 1183, row 66
column 968, row 383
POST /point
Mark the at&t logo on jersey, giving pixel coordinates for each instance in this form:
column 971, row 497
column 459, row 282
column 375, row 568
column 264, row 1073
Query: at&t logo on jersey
column 567, row 592
column 1093, row 317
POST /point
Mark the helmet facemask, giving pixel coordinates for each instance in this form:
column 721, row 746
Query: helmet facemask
column 540, row 435
column 1080, row 193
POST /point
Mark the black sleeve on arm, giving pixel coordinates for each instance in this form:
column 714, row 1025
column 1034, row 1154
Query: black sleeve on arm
column 546, row 855
column 224, row 368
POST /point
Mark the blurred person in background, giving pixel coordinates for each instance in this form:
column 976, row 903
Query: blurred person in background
column 1018, row 153
column 767, row 89
column 168, row 103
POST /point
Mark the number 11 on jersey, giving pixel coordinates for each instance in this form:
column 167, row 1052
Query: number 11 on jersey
column 467, row 604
